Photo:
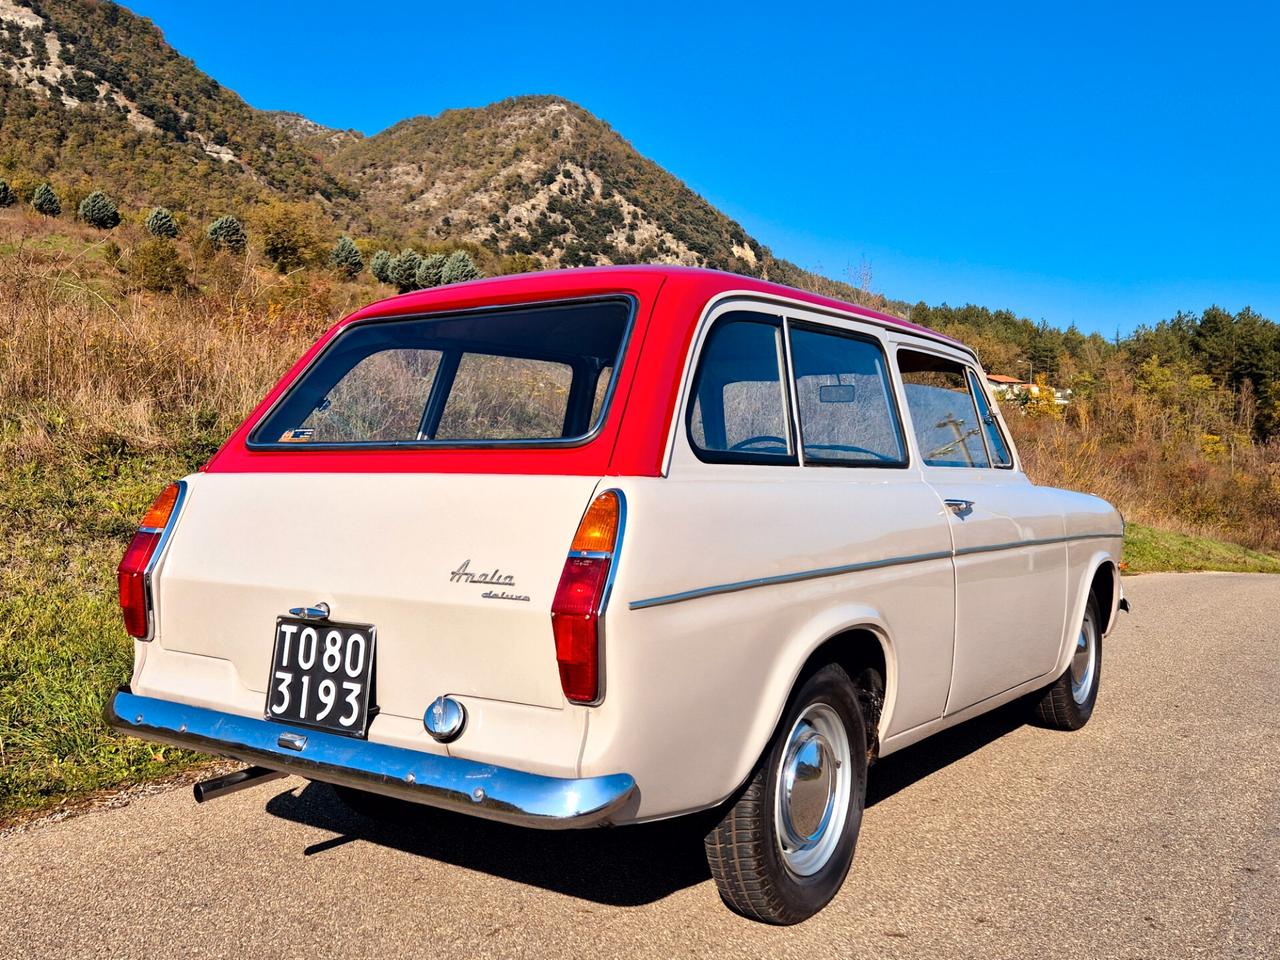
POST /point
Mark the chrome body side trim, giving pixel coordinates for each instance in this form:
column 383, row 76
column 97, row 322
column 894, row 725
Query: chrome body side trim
column 479, row 789
column 853, row 568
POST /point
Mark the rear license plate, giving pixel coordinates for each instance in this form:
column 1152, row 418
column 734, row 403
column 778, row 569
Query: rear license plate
column 322, row 675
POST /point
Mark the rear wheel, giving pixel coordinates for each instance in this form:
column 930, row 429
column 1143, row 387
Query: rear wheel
column 1067, row 704
column 784, row 848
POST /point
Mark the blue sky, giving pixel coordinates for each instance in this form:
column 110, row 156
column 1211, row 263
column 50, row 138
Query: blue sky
column 1096, row 164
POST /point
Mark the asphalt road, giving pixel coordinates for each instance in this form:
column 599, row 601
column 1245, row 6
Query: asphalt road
column 1154, row 832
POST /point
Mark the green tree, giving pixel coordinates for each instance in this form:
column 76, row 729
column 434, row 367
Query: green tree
column 160, row 223
column 289, row 232
column 431, row 271
column 460, row 267
column 155, row 265
column 380, row 266
column 404, row 270
column 346, row 258
column 46, row 202
column 99, row 210
column 227, row 233
column 7, row 196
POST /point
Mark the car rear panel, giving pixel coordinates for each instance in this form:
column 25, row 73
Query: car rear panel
column 455, row 572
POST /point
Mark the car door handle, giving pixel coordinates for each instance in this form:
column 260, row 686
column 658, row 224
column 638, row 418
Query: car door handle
column 961, row 508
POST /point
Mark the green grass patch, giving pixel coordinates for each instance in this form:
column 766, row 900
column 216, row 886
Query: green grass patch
column 1148, row 550
column 63, row 648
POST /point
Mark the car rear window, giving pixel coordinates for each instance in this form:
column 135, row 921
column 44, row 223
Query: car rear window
column 533, row 374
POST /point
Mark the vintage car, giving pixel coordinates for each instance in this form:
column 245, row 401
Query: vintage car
column 611, row 545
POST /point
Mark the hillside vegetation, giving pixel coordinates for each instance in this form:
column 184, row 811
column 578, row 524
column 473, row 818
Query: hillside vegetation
column 167, row 251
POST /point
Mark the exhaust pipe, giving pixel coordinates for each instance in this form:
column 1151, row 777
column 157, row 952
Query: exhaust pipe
column 231, row 782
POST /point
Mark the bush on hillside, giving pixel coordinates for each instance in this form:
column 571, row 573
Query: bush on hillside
column 46, row 202
column 380, row 266
column 160, row 223
column 431, row 271
column 7, row 197
column 289, row 232
column 99, row 210
column 156, row 266
column 346, row 258
column 460, row 267
column 227, row 233
column 404, row 270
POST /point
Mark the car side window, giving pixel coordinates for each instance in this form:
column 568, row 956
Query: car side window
column 947, row 426
column 739, row 411
column 845, row 412
column 996, row 445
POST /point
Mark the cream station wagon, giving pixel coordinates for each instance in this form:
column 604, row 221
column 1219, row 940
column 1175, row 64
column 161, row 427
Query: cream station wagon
column 612, row 545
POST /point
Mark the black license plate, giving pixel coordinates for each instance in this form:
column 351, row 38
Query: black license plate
column 322, row 675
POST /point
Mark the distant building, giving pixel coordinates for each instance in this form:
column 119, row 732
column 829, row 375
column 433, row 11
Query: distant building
column 1012, row 389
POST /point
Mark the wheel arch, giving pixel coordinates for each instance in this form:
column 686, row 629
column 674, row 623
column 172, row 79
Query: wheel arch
column 1103, row 578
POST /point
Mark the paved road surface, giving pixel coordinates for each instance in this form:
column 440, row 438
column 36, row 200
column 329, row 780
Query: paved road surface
column 1154, row 832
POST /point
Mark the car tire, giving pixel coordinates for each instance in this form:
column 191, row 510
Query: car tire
column 1067, row 703
column 783, row 848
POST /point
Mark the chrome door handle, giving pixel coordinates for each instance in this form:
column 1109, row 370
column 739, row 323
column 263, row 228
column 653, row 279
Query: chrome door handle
column 961, row 508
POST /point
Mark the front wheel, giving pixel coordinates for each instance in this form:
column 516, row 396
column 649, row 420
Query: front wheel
column 784, row 848
column 1068, row 703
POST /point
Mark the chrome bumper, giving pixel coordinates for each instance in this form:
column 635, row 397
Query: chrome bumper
column 479, row 789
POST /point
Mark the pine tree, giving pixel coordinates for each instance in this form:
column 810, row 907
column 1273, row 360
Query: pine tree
column 160, row 223
column 380, row 266
column 7, row 196
column 431, row 271
column 45, row 201
column 460, row 267
column 99, row 210
column 346, row 258
column 226, row 233
column 404, row 270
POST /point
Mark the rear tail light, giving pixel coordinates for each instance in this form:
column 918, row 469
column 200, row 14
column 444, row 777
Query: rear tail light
column 582, row 594
column 134, row 572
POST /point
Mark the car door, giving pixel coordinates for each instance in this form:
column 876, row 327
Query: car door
column 1010, row 559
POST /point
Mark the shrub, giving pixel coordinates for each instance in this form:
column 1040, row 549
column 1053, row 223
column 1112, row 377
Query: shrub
column 431, row 271
column 155, row 265
column 380, row 266
column 226, row 233
column 460, row 267
column 404, row 270
column 7, row 196
column 290, row 233
column 46, row 202
column 160, row 223
column 99, row 210
column 346, row 258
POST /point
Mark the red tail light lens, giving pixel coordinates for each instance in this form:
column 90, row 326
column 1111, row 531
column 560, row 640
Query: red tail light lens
column 133, row 573
column 580, row 598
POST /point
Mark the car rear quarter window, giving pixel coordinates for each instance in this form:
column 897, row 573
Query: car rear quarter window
column 739, row 411
column 843, row 397
column 540, row 373
column 947, row 427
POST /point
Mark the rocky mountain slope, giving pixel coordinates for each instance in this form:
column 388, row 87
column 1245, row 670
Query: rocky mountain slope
column 92, row 97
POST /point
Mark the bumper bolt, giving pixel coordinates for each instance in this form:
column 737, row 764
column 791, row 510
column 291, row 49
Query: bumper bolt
column 478, row 794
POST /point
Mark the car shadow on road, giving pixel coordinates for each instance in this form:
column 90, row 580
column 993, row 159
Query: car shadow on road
column 629, row 866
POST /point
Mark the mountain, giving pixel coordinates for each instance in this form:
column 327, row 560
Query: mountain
column 92, row 97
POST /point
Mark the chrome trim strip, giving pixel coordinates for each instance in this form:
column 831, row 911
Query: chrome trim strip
column 479, row 789
column 787, row 578
column 852, row 568
column 166, row 533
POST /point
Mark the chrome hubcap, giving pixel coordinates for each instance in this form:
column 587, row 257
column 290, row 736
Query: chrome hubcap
column 1084, row 662
column 811, row 802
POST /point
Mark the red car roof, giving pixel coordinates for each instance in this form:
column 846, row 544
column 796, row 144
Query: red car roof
column 626, row 445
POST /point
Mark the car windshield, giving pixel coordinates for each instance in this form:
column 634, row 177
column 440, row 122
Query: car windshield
column 541, row 373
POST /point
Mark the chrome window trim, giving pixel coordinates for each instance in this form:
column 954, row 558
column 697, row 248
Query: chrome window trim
column 539, row 443
column 821, row 572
